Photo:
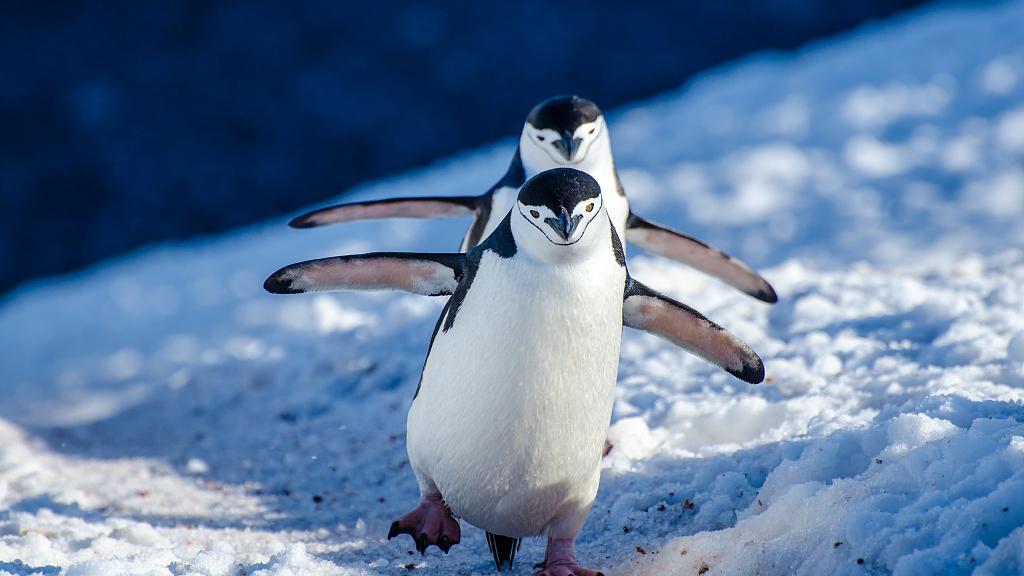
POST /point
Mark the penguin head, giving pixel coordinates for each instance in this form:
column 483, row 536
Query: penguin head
column 563, row 131
column 555, row 209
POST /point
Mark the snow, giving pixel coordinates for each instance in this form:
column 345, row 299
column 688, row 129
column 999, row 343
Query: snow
column 162, row 415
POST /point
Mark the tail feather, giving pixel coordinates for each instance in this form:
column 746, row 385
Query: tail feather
column 503, row 549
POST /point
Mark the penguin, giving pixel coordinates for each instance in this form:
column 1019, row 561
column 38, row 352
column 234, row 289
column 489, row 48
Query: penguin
column 561, row 131
column 514, row 402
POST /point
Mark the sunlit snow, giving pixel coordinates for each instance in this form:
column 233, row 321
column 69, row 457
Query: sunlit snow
column 162, row 415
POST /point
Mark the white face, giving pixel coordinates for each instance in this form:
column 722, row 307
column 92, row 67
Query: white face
column 550, row 147
column 566, row 228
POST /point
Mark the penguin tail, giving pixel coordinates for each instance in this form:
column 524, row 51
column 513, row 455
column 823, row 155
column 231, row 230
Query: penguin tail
column 503, row 549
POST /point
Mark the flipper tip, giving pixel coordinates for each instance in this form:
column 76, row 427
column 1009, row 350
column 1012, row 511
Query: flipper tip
column 766, row 294
column 751, row 373
column 303, row 221
column 279, row 283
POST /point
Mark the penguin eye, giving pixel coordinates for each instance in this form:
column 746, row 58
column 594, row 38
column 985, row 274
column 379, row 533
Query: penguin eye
column 540, row 138
column 590, row 207
column 534, row 213
column 592, row 130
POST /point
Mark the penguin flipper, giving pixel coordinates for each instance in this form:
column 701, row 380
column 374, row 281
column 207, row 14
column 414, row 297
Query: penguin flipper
column 662, row 241
column 503, row 549
column 413, row 207
column 645, row 309
column 419, row 273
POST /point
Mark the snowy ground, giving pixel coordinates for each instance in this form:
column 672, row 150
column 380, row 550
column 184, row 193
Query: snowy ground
column 162, row 415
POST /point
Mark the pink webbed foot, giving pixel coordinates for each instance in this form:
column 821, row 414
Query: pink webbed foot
column 560, row 560
column 431, row 523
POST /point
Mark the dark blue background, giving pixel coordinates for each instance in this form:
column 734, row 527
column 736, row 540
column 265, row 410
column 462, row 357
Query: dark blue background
column 127, row 122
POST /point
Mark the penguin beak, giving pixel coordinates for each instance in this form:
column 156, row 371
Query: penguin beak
column 568, row 146
column 565, row 224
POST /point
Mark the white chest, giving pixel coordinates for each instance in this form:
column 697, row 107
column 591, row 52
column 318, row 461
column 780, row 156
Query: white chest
column 516, row 397
column 616, row 203
column 502, row 201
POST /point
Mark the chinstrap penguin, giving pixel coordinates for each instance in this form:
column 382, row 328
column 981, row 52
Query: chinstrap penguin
column 561, row 131
column 506, row 426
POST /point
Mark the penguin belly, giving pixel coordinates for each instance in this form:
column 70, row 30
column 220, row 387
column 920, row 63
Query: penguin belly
column 516, row 396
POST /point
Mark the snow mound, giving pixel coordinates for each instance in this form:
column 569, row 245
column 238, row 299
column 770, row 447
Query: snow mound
column 937, row 499
column 163, row 415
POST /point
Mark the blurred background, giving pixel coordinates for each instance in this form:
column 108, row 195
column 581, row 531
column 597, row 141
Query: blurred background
column 131, row 122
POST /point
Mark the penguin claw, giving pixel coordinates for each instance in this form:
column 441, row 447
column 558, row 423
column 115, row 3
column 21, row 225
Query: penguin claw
column 430, row 524
column 422, row 543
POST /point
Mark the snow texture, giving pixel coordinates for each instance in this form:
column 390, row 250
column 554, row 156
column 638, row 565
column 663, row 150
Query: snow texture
column 164, row 416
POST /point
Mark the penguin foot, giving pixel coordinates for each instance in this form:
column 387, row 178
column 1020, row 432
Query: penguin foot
column 430, row 524
column 567, row 569
column 560, row 560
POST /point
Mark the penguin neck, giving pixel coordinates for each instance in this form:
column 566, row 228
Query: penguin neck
column 535, row 246
column 598, row 161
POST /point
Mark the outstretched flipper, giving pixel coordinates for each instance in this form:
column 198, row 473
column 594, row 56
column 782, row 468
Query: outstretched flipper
column 671, row 244
column 427, row 274
column 645, row 309
column 415, row 207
